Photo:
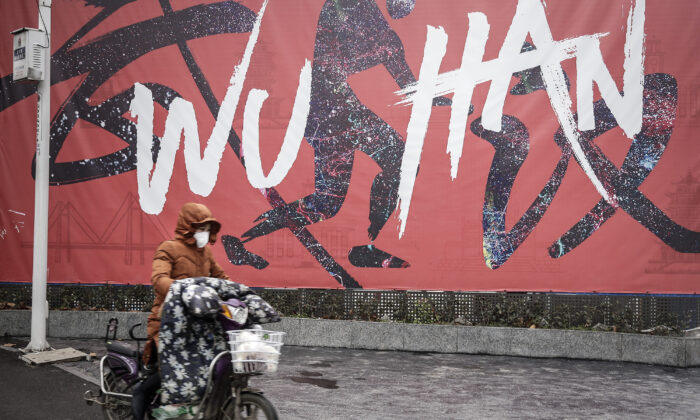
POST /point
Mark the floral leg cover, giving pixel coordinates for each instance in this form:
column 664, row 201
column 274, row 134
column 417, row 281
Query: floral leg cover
column 189, row 341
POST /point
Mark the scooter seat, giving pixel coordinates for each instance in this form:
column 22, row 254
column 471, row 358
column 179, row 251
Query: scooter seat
column 123, row 349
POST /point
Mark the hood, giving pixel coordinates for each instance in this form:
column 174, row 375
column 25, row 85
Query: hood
column 193, row 215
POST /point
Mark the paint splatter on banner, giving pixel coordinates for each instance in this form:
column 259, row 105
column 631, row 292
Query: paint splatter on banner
column 380, row 144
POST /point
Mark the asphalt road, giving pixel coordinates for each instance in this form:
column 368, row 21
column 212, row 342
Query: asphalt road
column 41, row 392
column 323, row 383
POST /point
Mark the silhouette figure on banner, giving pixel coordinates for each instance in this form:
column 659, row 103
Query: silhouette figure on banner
column 352, row 36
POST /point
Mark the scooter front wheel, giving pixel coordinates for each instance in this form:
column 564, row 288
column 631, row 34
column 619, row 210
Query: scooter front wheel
column 253, row 406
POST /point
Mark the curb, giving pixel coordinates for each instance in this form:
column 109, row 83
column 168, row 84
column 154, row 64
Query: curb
column 572, row 344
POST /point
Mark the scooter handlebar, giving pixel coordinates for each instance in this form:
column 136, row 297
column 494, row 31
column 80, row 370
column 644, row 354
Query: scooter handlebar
column 131, row 333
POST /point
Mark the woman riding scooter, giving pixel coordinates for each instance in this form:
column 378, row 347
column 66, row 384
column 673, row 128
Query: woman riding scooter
column 184, row 256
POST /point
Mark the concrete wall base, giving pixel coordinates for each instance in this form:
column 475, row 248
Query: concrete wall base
column 591, row 345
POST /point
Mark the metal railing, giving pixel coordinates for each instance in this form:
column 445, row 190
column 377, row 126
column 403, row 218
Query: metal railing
column 544, row 310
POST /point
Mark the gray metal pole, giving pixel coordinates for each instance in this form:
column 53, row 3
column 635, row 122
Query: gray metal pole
column 41, row 192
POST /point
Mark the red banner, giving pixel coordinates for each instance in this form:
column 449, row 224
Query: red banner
column 398, row 144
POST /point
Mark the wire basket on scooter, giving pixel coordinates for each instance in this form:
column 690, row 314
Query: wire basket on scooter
column 255, row 351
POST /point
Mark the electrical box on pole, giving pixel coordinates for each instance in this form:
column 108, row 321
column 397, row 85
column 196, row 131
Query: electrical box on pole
column 28, row 51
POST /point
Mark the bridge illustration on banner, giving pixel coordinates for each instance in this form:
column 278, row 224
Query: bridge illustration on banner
column 130, row 231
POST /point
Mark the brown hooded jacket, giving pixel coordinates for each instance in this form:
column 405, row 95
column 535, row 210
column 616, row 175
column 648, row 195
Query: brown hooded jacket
column 178, row 259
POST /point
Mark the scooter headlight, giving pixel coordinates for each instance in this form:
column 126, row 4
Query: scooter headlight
column 237, row 314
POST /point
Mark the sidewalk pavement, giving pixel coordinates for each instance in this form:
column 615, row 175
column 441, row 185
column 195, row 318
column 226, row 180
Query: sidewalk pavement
column 336, row 383
column 501, row 341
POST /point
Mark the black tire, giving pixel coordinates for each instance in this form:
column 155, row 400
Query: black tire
column 116, row 408
column 253, row 406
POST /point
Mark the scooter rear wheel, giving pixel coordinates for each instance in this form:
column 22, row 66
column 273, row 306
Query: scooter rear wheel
column 253, row 406
column 116, row 408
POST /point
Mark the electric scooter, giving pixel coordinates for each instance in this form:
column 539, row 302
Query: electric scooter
column 227, row 395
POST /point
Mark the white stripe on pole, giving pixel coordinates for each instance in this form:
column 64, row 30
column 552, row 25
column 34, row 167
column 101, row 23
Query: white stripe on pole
column 41, row 192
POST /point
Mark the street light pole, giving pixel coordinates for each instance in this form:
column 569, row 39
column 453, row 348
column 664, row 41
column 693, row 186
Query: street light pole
column 41, row 192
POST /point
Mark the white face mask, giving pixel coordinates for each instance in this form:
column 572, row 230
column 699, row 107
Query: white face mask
column 202, row 238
